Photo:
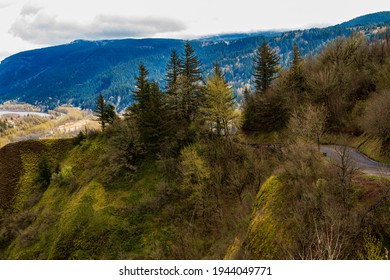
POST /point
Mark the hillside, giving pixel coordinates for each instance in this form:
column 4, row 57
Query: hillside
column 375, row 18
column 65, row 202
column 75, row 73
column 79, row 208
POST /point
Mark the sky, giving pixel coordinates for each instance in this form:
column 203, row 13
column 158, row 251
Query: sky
column 31, row 24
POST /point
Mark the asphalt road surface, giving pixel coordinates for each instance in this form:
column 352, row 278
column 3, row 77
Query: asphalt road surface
column 357, row 160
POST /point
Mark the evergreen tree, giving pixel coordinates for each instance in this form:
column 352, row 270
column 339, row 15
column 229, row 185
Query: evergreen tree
column 172, row 78
column 266, row 64
column 191, row 83
column 153, row 121
column 218, row 111
column 296, row 78
column 148, row 110
column 44, row 173
column 100, row 111
column 141, row 92
column 110, row 113
column 173, row 72
column 297, row 58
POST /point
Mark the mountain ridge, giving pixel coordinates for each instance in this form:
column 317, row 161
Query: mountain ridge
column 76, row 72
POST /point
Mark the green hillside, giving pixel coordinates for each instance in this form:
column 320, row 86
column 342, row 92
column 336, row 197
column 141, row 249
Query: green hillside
column 84, row 213
column 204, row 211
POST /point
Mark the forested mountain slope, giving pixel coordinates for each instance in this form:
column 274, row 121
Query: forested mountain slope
column 75, row 73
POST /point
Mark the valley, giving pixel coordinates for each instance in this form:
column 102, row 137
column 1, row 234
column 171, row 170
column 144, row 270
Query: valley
column 21, row 122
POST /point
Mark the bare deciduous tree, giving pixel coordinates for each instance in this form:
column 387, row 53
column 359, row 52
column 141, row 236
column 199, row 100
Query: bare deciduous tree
column 308, row 124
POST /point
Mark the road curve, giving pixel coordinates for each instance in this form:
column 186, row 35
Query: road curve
column 357, row 159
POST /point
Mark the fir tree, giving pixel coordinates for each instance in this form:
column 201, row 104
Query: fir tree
column 191, row 83
column 173, row 72
column 110, row 113
column 100, row 111
column 296, row 78
column 266, row 64
column 141, row 92
column 104, row 112
column 153, row 120
column 172, row 78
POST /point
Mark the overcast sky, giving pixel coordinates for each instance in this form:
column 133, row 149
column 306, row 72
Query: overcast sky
column 30, row 24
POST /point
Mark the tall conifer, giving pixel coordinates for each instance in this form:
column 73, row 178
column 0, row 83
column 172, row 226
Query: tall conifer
column 191, row 82
column 265, row 65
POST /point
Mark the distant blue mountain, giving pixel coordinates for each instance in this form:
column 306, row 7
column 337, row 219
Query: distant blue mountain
column 237, row 36
column 375, row 18
column 76, row 72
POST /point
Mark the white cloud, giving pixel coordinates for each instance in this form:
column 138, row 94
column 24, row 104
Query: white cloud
column 39, row 27
column 30, row 9
column 5, row 5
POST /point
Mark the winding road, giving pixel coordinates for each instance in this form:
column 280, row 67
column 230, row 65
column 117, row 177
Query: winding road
column 357, row 159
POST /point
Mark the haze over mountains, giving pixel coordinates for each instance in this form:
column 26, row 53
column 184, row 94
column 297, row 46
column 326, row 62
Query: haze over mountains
column 75, row 73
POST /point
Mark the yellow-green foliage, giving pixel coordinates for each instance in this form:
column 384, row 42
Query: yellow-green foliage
column 31, row 154
column 79, row 217
column 234, row 250
column 372, row 248
column 193, row 167
column 264, row 231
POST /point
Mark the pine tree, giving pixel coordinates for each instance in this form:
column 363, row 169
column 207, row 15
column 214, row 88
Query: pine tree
column 266, row 64
column 218, row 110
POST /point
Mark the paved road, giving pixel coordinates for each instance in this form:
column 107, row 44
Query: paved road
column 358, row 160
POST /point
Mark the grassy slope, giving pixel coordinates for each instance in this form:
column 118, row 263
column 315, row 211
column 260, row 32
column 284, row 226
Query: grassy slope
column 82, row 215
column 79, row 218
column 19, row 165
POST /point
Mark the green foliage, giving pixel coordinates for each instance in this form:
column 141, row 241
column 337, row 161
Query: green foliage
column 104, row 112
column 193, row 168
column 172, row 74
column 149, row 111
column 125, row 149
column 191, row 83
column 79, row 138
column 44, row 173
column 65, row 178
column 265, row 65
column 265, row 113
